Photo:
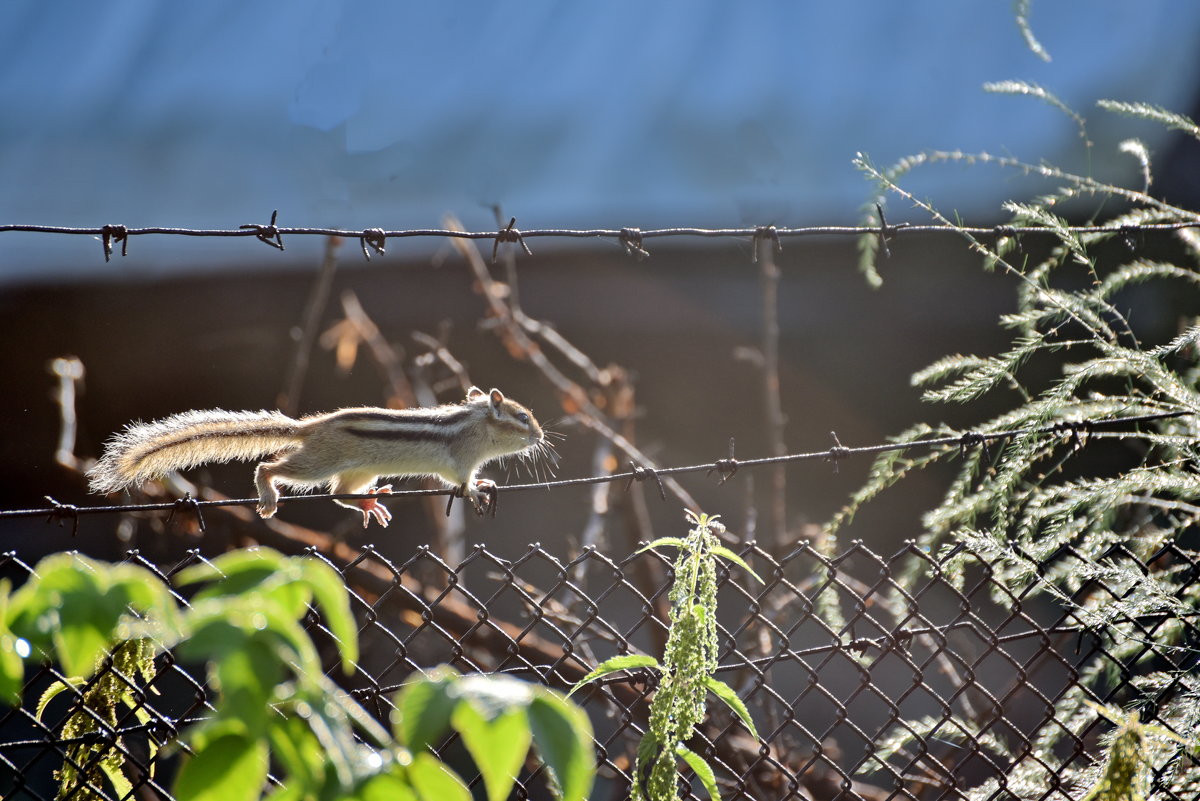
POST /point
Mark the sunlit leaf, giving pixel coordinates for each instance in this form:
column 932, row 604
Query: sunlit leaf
column 228, row 768
column 329, row 591
column 562, row 735
column 423, row 709
column 434, row 781
column 702, row 770
column 725, row 553
column 661, row 541
column 616, row 663
column 731, row 699
column 498, row 743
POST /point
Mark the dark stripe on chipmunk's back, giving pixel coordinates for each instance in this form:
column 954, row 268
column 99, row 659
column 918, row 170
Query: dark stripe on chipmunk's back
column 413, row 424
column 417, row 414
column 263, row 431
column 403, row 434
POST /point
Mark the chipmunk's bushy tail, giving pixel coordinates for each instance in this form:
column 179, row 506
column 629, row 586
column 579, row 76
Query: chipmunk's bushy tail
column 148, row 450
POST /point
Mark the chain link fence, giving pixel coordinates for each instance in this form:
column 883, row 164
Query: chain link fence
column 869, row 676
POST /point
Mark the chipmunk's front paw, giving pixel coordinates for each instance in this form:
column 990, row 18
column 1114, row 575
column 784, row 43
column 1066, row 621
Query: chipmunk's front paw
column 481, row 493
column 483, row 496
column 373, row 508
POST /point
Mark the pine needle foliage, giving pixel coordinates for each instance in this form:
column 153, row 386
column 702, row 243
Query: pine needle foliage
column 1049, row 507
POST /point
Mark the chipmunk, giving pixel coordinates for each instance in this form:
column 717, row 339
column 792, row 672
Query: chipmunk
column 346, row 450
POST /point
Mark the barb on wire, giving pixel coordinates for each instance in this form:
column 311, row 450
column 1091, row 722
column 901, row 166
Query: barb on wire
column 376, row 239
column 110, row 235
column 726, row 467
column 765, row 233
column 188, row 504
column 269, row 234
column 885, row 231
column 631, row 239
column 61, row 511
column 509, row 233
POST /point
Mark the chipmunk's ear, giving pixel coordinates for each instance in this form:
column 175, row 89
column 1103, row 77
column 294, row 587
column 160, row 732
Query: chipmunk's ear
column 474, row 393
column 497, row 399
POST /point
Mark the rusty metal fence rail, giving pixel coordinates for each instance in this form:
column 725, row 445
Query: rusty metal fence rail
column 910, row 675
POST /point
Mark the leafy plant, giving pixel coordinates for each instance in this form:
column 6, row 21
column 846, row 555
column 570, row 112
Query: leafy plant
column 687, row 671
column 1035, row 508
column 273, row 704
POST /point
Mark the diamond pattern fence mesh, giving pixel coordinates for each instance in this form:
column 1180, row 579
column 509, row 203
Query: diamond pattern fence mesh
column 869, row 676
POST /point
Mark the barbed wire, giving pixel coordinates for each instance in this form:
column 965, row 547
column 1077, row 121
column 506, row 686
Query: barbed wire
column 726, row 468
column 374, row 240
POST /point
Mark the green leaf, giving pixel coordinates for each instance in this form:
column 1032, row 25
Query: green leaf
column 297, row 750
column 562, row 735
column 386, row 787
column 211, row 634
column 330, row 593
column 647, row 753
column 731, row 699
column 219, row 626
column 702, row 769
column 423, row 709
column 235, row 572
column 626, row 662
column 12, row 668
column 53, row 690
column 111, row 764
column 231, row 767
column 69, row 596
column 12, row 664
column 661, row 541
column 434, row 781
column 493, row 695
column 246, row 678
column 498, row 743
column 289, row 792
column 73, row 605
column 725, row 553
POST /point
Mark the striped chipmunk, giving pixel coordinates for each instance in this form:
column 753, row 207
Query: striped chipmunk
column 346, row 450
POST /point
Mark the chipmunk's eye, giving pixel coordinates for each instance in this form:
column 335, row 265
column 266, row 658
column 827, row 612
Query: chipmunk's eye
column 524, row 418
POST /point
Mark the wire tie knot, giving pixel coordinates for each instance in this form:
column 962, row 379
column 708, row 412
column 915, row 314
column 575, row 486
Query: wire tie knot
column 376, row 239
column 768, row 233
column 837, row 452
column 973, row 439
column 110, row 235
column 631, row 238
column 509, row 233
column 188, row 504
column 61, row 512
column 726, row 467
column 1009, row 232
column 267, row 234
column 884, row 230
column 640, row 473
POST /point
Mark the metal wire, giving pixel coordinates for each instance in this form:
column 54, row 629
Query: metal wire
column 633, row 239
column 725, row 468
